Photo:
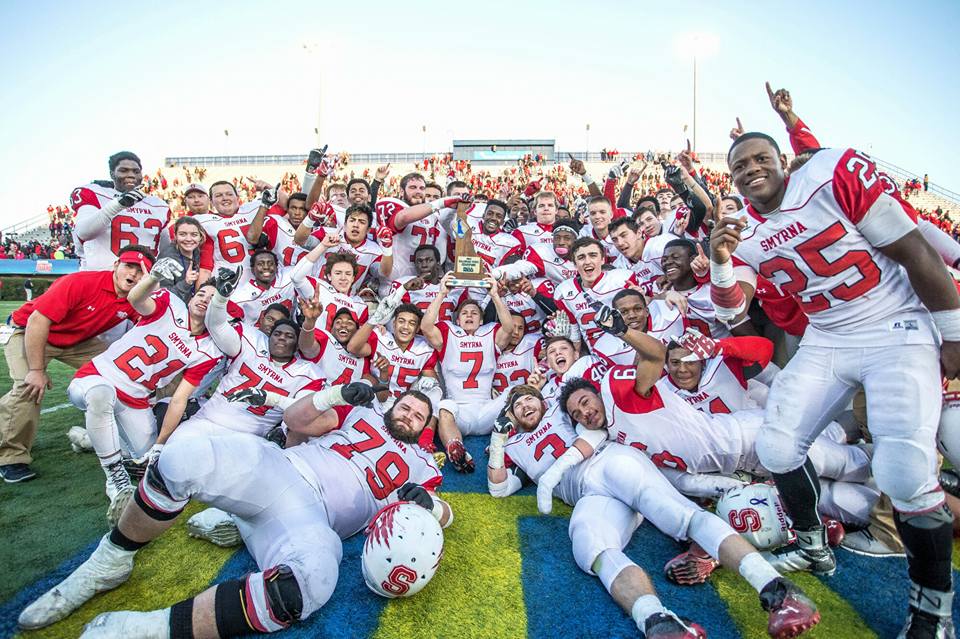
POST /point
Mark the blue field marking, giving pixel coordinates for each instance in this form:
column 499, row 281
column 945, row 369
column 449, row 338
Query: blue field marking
column 353, row 611
column 561, row 600
column 11, row 609
column 877, row 588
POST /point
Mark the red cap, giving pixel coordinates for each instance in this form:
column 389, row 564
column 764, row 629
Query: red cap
column 135, row 257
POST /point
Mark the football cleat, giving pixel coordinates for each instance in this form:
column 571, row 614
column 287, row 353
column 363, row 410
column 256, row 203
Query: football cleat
column 216, row 526
column 808, row 552
column 118, row 502
column 125, row 623
column 692, row 567
column 835, row 531
column 930, row 615
column 108, row 567
column 666, row 625
column 459, row 458
column 79, row 440
column 791, row 612
column 863, row 542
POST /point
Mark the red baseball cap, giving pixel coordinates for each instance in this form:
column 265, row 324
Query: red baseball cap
column 194, row 187
column 136, row 257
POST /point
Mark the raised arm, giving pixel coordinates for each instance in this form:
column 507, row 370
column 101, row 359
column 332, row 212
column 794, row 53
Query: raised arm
column 218, row 320
column 92, row 220
column 428, row 325
column 503, row 314
column 730, row 295
column 651, row 352
column 166, row 270
column 267, row 199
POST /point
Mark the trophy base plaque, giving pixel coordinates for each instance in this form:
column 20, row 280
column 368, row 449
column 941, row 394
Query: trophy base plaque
column 468, row 272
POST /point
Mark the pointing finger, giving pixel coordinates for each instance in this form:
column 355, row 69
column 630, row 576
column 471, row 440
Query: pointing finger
column 769, row 90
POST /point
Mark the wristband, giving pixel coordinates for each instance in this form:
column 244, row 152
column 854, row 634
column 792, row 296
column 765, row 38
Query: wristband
column 722, row 275
column 588, row 179
column 309, row 222
column 276, row 400
column 437, row 205
column 437, row 510
column 948, row 323
column 112, row 207
column 387, row 251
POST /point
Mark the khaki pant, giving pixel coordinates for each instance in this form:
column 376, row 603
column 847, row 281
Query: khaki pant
column 19, row 415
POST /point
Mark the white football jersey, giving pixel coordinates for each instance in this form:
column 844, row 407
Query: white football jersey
column 722, row 389
column 253, row 368
column 253, row 298
column 280, row 232
column 332, row 301
column 406, row 240
column 534, row 234
column 380, row 463
column 158, row 348
column 645, row 271
column 142, row 224
column 404, row 366
column 369, row 254
column 701, row 313
column 577, row 304
column 814, row 248
column 536, row 451
column 468, row 362
column 668, row 429
column 515, row 366
column 337, row 365
column 653, row 250
column 494, row 247
column 227, row 235
column 549, row 264
column 422, row 297
column 533, row 315
column 608, row 246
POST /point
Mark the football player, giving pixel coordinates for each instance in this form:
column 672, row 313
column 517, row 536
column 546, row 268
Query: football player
column 329, row 348
column 611, row 494
column 226, row 245
column 600, row 213
column 629, row 241
column 293, row 507
column 269, row 285
column 879, row 300
column 519, row 357
column 677, row 263
column 374, row 258
column 423, row 287
column 468, row 358
column 552, row 259
column 114, row 388
column 279, row 222
column 540, row 231
column 340, row 270
column 106, row 219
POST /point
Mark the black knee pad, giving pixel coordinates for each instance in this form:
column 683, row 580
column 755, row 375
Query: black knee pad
column 282, row 593
column 154, row 481
column 928, row 539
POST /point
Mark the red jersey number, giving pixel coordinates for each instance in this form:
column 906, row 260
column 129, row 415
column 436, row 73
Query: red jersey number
column 553, row 444
column 126, row 362
column 252, row 380
column 123, row 232
column 476, row 360
column 391, row 470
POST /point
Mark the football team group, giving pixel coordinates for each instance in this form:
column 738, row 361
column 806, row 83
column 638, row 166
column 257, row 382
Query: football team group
column 304, row 363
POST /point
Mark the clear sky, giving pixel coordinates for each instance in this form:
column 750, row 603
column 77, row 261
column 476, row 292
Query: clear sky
column 166, row 78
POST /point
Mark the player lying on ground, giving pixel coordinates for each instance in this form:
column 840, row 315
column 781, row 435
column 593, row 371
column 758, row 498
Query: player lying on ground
column 293, row 508
column 611, row 494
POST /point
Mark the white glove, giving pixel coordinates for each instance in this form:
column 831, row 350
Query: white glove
column 551, row 478
column 151, row 456
column 559, row 326
column 166, row 269
column 520, row 268
column 386, row 307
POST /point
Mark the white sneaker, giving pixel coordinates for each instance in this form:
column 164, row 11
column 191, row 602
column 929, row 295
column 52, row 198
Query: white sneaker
column 79, row 440
column 118, row 502
column 216, row 526
column 108, row 567
column 126, row 624
column 862, row 542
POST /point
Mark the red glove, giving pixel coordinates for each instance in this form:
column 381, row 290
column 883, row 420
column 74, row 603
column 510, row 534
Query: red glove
column 699, row 345
column 384, row 237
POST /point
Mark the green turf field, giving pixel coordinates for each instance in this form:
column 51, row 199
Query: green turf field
column 507, row 572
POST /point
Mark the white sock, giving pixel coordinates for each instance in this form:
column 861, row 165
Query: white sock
column 757, row 571
column 645, row 607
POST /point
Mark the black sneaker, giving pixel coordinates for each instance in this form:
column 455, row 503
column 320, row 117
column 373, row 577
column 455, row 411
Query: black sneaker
column 666, row 625
column 809, row 552
column 921, row 625
column 15, row 473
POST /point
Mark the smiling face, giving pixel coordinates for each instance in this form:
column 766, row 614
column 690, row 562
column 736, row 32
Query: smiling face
column 405, row 327
column 224, row 199
column 197, row 306
column 265, row 268
column 268, row 319
column 589, row 260
column 127, row 175
column 600, row 215
column 728, row 206
column 340, row 276
column 676, row 264
column 686, row 375
column 407, row 418
column 527, row 412
column 493, row 217
column 634, row 310
column 469, row 318
column 355, row 228
column 283, row 342
column 188, row 238
column 358, row 193
column 562, row 241
column 560, row 356
column 125, row 277
column 413, row 192
column 586, row 409
column 758, row 173
column 343, row 328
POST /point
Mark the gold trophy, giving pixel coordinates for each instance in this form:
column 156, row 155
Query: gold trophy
column 468, row 267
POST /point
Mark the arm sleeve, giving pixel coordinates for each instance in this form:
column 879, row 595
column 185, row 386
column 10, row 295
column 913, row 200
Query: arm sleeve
column 89, row 219
column 224, row 335
column 753, row 350
column 626, row 194
column 610, row 192
column 802, row 138
column 374, row 194
column 946, row 246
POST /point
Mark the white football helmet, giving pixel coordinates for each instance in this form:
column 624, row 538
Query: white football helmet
column 948, row 436
column 403, row 549
column 756, row 512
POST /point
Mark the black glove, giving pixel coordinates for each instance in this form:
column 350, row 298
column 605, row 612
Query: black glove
column 417, row 494
column 277, row 436
column 315, row 158
column 252, row 396
column 503, row 424
column 611, row 321
column 509, row 225
column 227, row 280
column 269, row 196
column 674, row 179
column 130, row 198
column 361, row 393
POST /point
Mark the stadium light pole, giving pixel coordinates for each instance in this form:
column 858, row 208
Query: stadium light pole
column 586, row 156
column 312, row 49
column 694, row 101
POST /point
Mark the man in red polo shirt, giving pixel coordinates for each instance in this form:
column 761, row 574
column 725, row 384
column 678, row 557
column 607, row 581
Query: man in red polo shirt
column 61, row 324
